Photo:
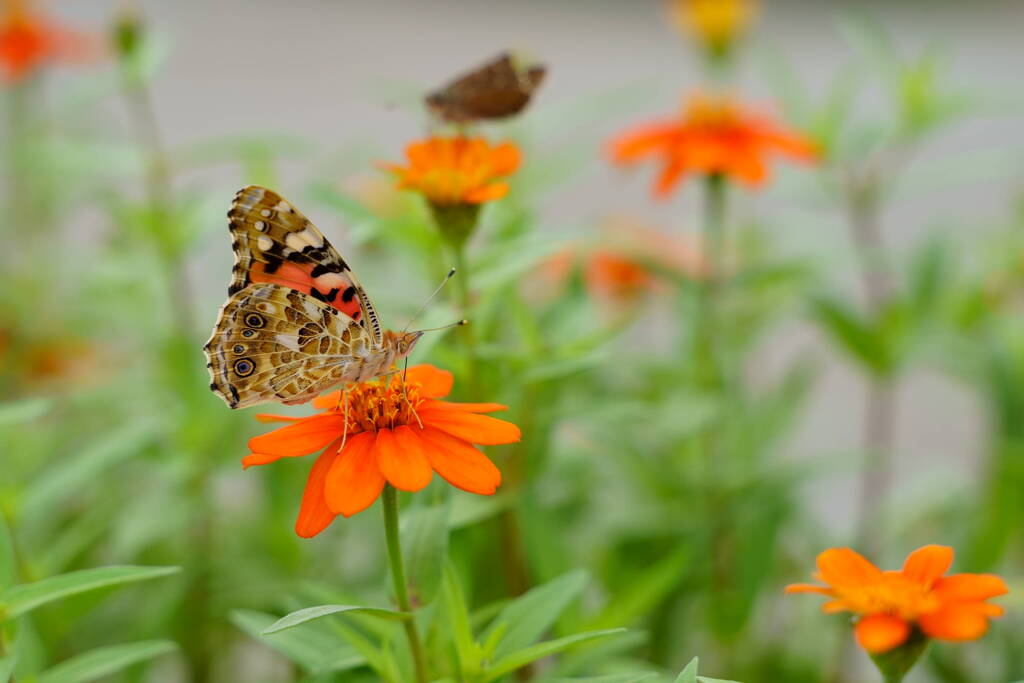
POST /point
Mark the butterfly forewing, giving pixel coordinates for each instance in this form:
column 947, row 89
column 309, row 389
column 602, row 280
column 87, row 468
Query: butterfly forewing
column 275, row 243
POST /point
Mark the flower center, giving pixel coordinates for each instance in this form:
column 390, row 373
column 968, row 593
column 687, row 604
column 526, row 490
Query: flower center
column 381, row 404
column 895, row 595
column 711, row 113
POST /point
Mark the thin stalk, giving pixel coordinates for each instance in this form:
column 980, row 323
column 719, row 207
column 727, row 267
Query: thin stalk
column 159, row 184
column 419, row 656
column 467, row 332
column 877, row 466
column 160, row 197
column 875, row 272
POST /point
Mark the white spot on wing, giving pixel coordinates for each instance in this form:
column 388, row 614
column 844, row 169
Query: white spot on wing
column 265, row 213
column 289, row 341
column 265, row 243
column 260, row 225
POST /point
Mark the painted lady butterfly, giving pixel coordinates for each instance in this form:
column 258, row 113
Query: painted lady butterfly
column 296, row 321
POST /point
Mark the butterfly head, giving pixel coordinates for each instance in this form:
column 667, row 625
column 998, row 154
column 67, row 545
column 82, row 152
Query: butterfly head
column 402, row 342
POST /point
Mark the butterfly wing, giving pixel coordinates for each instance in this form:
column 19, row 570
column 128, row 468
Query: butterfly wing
column 275, row 243
column 500, row 88
column 273, row 343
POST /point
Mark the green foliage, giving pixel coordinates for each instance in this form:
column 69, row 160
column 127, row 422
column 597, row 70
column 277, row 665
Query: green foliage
column 664, row 481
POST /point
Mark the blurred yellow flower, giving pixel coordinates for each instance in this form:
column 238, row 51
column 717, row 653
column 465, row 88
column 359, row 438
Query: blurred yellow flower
column 716, row 23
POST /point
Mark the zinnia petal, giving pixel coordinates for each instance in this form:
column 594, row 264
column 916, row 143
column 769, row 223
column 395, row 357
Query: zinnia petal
column 467, row 407
column 485, row 193
column 460, row 463
column 843, row 567
column 434, row 383
column 927, row 564
column 401, row 459
column 354, row 481
column 301, row 438
column 807, row 588
column 969, row 587
column 956, row 621
column 881, row 632
column 479, row 429
column 314, row 514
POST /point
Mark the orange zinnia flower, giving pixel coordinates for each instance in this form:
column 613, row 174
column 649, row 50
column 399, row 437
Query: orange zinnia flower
column 712, row 136
column 27, row 41
column 892, row 603
column 395, row 434
column 459, row 170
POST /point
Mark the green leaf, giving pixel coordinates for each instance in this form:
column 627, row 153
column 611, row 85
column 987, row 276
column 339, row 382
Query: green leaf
column 104, row 661
column 611, row 678
column 689, row 674
column 59, row 483
column 705, row 679
column 27, row 597
column 521, row 658
column 315, row 649
column 320, row 611
column 425, row 547
column 647, row 590
column 853, row 333
column 529, row 616
column 8, row 567
column 7, row 665
column 20, row 412
column 466, row 648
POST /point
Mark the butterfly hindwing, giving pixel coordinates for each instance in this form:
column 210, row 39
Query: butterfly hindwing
column 275, row 243
column 273, row 343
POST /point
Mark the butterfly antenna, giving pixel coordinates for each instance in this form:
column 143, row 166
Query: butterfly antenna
column 423, row 307
column 457, row 323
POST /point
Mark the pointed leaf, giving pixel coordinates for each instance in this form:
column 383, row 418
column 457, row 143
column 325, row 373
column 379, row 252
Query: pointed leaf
column 689, row 674
column 19, row 412
column 529, row 616
column 425, row 545
column 315, row 649
column 320, row 611
column 104, row 661
column 27, row 597
column 521, row 658
column 467, row 649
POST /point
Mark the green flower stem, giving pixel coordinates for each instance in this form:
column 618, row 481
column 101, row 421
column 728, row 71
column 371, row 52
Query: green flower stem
column 419, row 657
column 864, row 208
column 466, row 332
column 895, row 664
column 159, row 194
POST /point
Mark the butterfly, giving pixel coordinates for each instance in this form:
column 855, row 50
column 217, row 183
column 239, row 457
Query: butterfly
column 500, row 88
column 296, row 321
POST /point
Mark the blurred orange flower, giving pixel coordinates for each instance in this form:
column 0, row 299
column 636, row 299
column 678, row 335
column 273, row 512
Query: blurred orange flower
column 29, row 40
column 395, row 434
column 712, row 136
column 629, row 260
column 716, row 23
column 450, row 171
column 892, row 603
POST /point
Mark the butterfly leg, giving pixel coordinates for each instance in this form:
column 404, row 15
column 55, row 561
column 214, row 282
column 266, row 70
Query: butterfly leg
column 343, row 399
column 405, row 394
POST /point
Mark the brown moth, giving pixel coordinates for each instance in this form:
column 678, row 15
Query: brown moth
column 496, row 90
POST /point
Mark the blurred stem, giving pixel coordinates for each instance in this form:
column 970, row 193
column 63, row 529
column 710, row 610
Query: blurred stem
column 159, row 188
column 419, row 657
column 19, row 199
column 864, row 209
column 466, row 332
column 159, row 194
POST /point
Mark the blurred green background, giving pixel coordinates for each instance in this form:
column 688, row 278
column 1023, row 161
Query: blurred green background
column 119, row 168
